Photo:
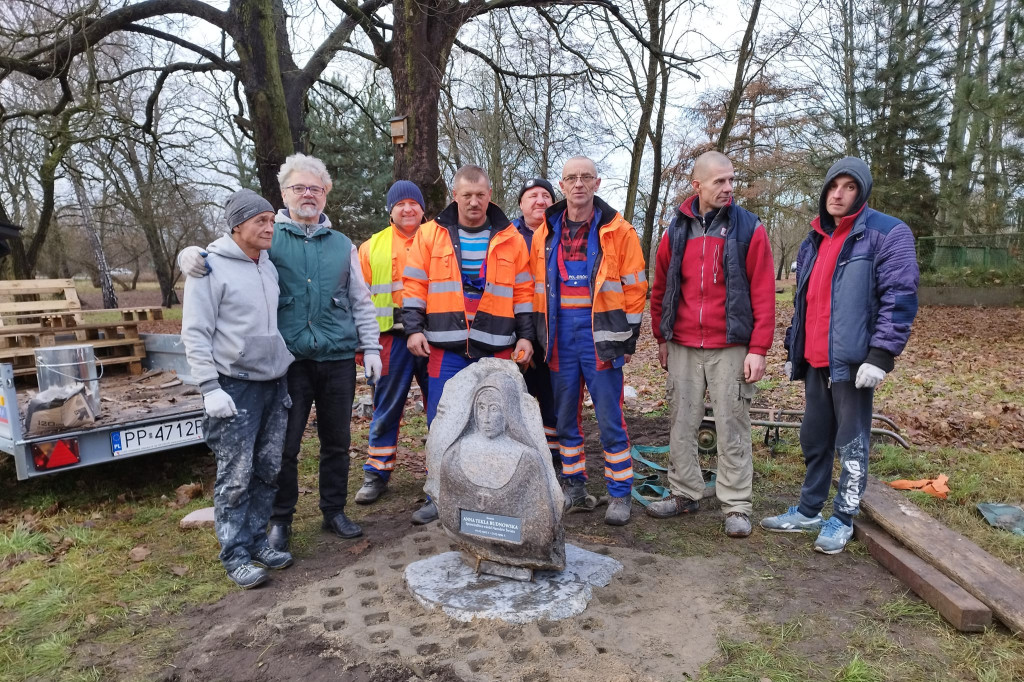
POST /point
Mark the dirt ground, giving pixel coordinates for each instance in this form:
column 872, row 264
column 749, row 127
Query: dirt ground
column 342, row 612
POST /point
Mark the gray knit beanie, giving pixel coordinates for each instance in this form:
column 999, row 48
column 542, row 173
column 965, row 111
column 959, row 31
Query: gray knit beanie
column 404, row 189
column 242, row 205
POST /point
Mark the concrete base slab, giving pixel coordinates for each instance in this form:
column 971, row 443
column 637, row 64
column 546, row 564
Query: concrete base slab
column 200, row 518
column 445, row 582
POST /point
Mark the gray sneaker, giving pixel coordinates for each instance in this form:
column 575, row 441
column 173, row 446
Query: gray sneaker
column 618, row 511
column 373, row 487
column 792, row 521
column 268, row 557
column 248, row 575
column 737, row 525
column 833, row 537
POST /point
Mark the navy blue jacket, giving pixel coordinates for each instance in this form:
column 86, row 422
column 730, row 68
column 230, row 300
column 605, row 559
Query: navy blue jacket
column 874, row 296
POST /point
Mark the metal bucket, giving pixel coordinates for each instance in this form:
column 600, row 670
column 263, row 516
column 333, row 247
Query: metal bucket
column 66, row 365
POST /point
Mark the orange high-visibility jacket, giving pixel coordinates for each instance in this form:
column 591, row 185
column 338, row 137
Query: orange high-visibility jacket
column 432, row 299
column 618, row 283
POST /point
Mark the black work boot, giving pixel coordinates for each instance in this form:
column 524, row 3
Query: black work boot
column 374, row 486
column 425, row 514
column 576, row 497
column 279, row 536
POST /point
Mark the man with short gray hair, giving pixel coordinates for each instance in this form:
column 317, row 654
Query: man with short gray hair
column 325, row 315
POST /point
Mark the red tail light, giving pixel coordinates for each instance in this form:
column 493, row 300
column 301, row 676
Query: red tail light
column 55, row 453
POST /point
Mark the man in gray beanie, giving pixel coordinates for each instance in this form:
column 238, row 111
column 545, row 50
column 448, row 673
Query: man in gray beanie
column 382, row 258
column 326, row 317
column 229, row 327
column 842, row 344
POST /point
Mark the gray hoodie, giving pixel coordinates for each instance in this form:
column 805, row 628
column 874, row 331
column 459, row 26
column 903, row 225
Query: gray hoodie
column 229, row 319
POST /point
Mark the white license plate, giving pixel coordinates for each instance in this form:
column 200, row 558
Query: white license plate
column 156, row 436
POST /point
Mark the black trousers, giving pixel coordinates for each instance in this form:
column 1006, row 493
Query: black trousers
column 331, row 385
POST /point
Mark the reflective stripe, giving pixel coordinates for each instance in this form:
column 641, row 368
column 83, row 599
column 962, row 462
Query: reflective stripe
column 617, row 457
column 569, row 469
column 611, row 286
column 550, row 430
column 443, row 287
column 384, row 312
column 499, row 290
column 496, row 340
column 447, row 337
column 576, row 301
column 570, row 450
column 538, row 288
column 409, row 302
column 629, row 279
column 397, row 286
column 414, row 273
column 522, row 308
column 381, row 288
column 381, row 466
column 641, row 276
column 618, row 475
column 383, row 450
column 524, row 277
column 634, row 318
column 612, row 336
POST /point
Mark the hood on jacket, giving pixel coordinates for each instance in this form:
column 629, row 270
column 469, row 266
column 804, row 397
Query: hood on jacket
column 227, row 248
column 861, row 174
column 283, row 216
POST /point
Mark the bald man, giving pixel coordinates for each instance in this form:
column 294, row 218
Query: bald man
column 713, row 314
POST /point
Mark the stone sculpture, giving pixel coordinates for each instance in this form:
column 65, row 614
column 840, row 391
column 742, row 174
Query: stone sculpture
column 490, row 473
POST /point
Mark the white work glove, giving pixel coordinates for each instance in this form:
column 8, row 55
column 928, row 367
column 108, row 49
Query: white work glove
column 192, row 262
column 869, row 376
column 219, row 404
column 372, row 368
column 788, row 370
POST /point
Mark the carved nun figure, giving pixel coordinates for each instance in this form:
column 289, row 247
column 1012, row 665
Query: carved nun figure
column 490, row 470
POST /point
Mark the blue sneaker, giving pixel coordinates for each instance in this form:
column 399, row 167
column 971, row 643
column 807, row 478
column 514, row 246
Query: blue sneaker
column 792, row 522
column 833, row 537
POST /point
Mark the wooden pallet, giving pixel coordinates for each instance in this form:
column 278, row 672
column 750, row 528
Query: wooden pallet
column 114, row 344
column 39, row 301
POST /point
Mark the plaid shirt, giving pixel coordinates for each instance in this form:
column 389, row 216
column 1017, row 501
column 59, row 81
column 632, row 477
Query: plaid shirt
column 574, row 246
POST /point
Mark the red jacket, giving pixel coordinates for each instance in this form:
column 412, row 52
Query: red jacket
column 700, row 319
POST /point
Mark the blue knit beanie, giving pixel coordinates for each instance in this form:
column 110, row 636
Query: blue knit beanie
column 404, row 189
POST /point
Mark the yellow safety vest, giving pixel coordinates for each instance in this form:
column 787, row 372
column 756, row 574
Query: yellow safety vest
column 381, row 286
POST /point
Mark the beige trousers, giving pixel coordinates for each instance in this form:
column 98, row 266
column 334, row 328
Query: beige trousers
column 691, row 371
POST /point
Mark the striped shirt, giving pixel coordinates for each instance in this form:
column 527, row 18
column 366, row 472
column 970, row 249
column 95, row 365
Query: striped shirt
column 473, row 244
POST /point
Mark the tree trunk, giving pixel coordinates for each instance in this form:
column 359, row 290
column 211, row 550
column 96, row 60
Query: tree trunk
column 422, row 41
column 277, row 119
column 92, row 232
column 739, row 84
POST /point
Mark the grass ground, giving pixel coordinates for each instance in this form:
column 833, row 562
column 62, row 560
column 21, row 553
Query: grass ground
column 95, row 574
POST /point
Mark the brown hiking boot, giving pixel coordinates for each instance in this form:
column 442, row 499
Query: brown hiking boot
column 673, row 505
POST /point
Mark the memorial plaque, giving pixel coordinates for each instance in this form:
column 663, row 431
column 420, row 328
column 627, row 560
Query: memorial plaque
column 494, row 526
column 490, row 472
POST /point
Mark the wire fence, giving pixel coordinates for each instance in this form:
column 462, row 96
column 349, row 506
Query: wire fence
column 975, row 251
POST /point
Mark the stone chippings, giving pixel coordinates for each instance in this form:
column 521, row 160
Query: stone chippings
column 446, row 582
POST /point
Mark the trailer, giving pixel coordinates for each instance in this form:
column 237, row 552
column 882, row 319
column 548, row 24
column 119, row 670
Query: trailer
column 156, row 411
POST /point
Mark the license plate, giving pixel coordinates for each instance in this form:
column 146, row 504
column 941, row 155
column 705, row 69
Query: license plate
column 156, row 436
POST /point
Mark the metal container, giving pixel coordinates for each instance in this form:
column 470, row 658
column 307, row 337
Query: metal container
column 67, row 365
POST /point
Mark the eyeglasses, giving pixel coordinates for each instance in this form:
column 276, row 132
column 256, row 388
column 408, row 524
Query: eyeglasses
column 299, row 190
column 573, row 179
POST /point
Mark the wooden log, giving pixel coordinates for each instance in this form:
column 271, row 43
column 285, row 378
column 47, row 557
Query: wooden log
column 995, row 584
column 954, row 603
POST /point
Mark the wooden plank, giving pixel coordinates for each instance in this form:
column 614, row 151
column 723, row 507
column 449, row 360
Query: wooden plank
column 954, row 603
column 26, row 308
column 995, row 584
column 34, row 286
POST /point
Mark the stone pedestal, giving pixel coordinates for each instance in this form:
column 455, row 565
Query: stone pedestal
column 490, row 471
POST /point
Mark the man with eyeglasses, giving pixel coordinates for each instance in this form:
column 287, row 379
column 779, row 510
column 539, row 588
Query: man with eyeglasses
column 713, row 314
column 468, row 292
column 325, row 316
column 591, row 289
